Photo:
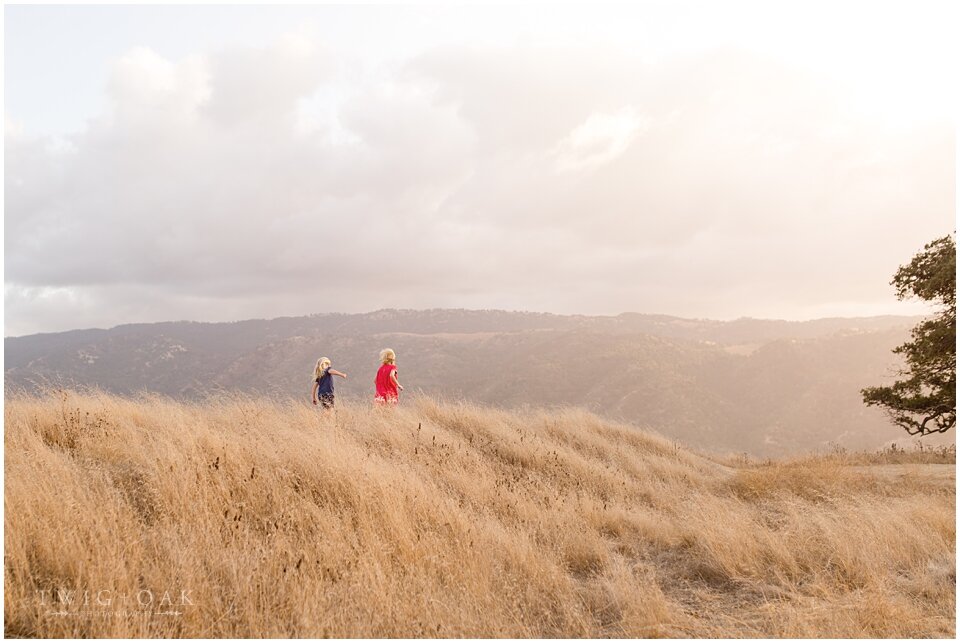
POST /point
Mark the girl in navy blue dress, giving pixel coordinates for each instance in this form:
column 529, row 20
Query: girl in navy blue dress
column 323, row 383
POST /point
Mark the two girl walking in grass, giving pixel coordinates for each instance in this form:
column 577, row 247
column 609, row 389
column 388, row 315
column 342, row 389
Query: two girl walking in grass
column 387, row 383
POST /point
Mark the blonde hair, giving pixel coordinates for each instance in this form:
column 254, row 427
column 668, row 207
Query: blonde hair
column 322, row 363
column 387, row 356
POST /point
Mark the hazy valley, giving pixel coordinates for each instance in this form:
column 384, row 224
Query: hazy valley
column 763, row 387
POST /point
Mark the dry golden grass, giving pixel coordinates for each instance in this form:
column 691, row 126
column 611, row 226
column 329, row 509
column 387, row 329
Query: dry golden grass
column 445, row 520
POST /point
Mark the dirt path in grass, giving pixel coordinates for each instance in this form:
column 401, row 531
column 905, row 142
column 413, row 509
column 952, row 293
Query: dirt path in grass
column 944, row 473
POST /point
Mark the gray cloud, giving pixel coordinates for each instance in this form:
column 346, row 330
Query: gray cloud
column 263, row 182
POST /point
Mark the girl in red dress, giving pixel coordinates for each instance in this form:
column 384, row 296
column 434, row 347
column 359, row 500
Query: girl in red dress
column 388, row 386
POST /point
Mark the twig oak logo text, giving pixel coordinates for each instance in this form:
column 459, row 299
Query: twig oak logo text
column 71, row 602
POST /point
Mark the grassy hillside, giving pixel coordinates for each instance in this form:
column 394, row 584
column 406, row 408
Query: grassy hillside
column 241, row 517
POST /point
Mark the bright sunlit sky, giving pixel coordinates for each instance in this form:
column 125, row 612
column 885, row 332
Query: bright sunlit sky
column 702, row 159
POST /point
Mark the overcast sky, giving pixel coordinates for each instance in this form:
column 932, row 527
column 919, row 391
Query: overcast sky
column 702, row 159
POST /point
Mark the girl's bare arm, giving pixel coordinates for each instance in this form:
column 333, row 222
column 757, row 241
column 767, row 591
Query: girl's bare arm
column 333, row 372
column 313, row 393
column 396, row 379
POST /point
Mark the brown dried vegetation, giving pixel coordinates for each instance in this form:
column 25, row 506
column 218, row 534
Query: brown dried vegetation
column 447, row 520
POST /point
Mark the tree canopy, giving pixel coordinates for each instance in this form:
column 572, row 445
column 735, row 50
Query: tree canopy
column 925, row 400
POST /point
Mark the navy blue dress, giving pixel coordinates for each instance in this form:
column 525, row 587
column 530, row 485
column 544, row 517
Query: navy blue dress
column 325, row 389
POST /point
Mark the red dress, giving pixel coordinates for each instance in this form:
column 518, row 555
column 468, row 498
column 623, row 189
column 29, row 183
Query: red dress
column 387, row 392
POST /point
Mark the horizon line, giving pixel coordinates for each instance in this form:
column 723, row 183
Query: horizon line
column 471, row 310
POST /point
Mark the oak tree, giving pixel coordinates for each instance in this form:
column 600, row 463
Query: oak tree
column 924, row 401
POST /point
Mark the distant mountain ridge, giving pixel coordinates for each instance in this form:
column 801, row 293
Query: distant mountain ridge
column 464, row 320
column 767, row 387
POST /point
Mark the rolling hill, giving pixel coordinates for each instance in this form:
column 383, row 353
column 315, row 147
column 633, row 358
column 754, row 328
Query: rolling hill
column 242, row 517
